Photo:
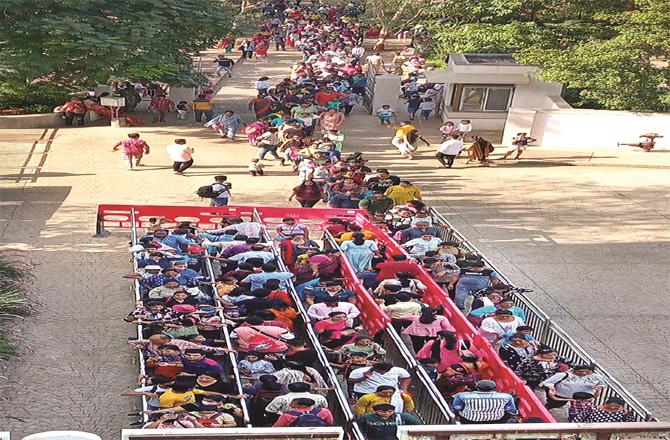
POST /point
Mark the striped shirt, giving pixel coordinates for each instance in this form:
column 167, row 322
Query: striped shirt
column 484, row 406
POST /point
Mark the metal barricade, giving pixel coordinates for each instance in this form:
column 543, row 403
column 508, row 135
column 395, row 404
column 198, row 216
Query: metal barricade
column 138, row 297
column 232, row 357
column 430, row 405
column 546, row 330
column 337, row 398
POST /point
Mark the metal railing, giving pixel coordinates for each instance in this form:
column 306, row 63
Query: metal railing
column 545, row 329
column 138, row 298
column 232, row 357
column 337, row 399
column 430, row 405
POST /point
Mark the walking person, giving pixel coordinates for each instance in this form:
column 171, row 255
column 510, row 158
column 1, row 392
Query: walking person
column 449, row 149
column 161, row 105
column 221, row 188
column 247, row 49
column 268, row 143
column 519, row 144
column 226, row 124
column 133, row 150
column 181, row 156
column 413, row 103
column 224, row 65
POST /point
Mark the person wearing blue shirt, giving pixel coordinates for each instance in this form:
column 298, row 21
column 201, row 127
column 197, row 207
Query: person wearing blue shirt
column 178, row 241
column 484, row 405
column 269, row 273
column 506, row 304
column 333, row 291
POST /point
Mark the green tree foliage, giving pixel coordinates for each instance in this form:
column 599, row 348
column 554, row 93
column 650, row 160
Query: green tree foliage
column 70, row 44
column 609, row 53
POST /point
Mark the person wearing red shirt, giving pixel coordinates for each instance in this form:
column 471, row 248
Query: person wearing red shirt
column 161, row 105
column 399, row 263
column 301, row 406
column 324, row 97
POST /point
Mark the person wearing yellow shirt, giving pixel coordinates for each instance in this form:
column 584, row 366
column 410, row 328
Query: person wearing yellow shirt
column 181, row 394
column 385, row 394
column 354, row 229
column 403, row 193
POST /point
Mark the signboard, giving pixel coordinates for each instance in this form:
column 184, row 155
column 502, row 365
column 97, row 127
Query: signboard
column 113, row 101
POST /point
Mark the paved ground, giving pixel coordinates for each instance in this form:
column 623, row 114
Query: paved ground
column 592, row 241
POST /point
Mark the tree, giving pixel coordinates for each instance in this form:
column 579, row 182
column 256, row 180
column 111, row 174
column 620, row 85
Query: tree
column 72, row 44
column 608, row 53
column 391, row 15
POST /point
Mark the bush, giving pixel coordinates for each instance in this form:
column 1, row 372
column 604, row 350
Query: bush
column 32, row 98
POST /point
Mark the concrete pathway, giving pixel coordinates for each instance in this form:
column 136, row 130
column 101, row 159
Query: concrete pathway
column 592, row 241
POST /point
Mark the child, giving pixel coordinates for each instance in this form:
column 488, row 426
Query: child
column 579, row 402
column 182, row 108
column 384, row 114
column 253, row 366
column 336, row 137
column 464, row 127
column 447, row 129
column 256, row 167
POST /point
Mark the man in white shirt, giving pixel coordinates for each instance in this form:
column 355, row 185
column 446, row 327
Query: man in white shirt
column 180, row 155
column 376, row 61
column 449, row 149
column 419, row 246
column 281, row 404
column 321, row 310
column 366, row 380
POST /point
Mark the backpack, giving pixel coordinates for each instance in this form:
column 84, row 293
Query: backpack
column 307, row 419
column 206, row 192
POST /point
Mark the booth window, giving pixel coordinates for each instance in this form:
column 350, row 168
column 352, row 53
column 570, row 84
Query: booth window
column 483, row 98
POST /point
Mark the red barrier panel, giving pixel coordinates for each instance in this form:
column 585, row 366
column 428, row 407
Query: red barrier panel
column 206, row 217
column 209, row 217
column 373, row 317
column 434, row 296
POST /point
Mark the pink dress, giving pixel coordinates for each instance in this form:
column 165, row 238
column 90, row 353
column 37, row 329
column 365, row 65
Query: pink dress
column 416, row 328
column 447, row 357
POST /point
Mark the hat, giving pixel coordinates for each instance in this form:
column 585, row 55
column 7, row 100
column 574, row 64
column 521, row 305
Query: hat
column 183, row 308
column 136, row 248
column 486, row 385
column 228, row 406
column 153, row 267
column 195, row 249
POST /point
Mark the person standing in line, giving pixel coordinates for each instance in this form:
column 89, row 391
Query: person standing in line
column 161, row 105
column 181, row 156
column 383, row 423
column 133, row 150
column 484, row 405
column 449, row 149
column 426, row 108
column 202, row 106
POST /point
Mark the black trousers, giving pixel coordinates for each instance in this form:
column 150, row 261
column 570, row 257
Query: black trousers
column 70, row 117
column 308, row 203
column 248, row 54
column 180, row 167
column 347, row 109
column 450, row 159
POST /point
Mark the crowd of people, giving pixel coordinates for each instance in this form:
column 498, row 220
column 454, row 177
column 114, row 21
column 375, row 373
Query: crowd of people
column 189, row 380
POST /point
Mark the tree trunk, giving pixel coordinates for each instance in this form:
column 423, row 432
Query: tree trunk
column 381, row 38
